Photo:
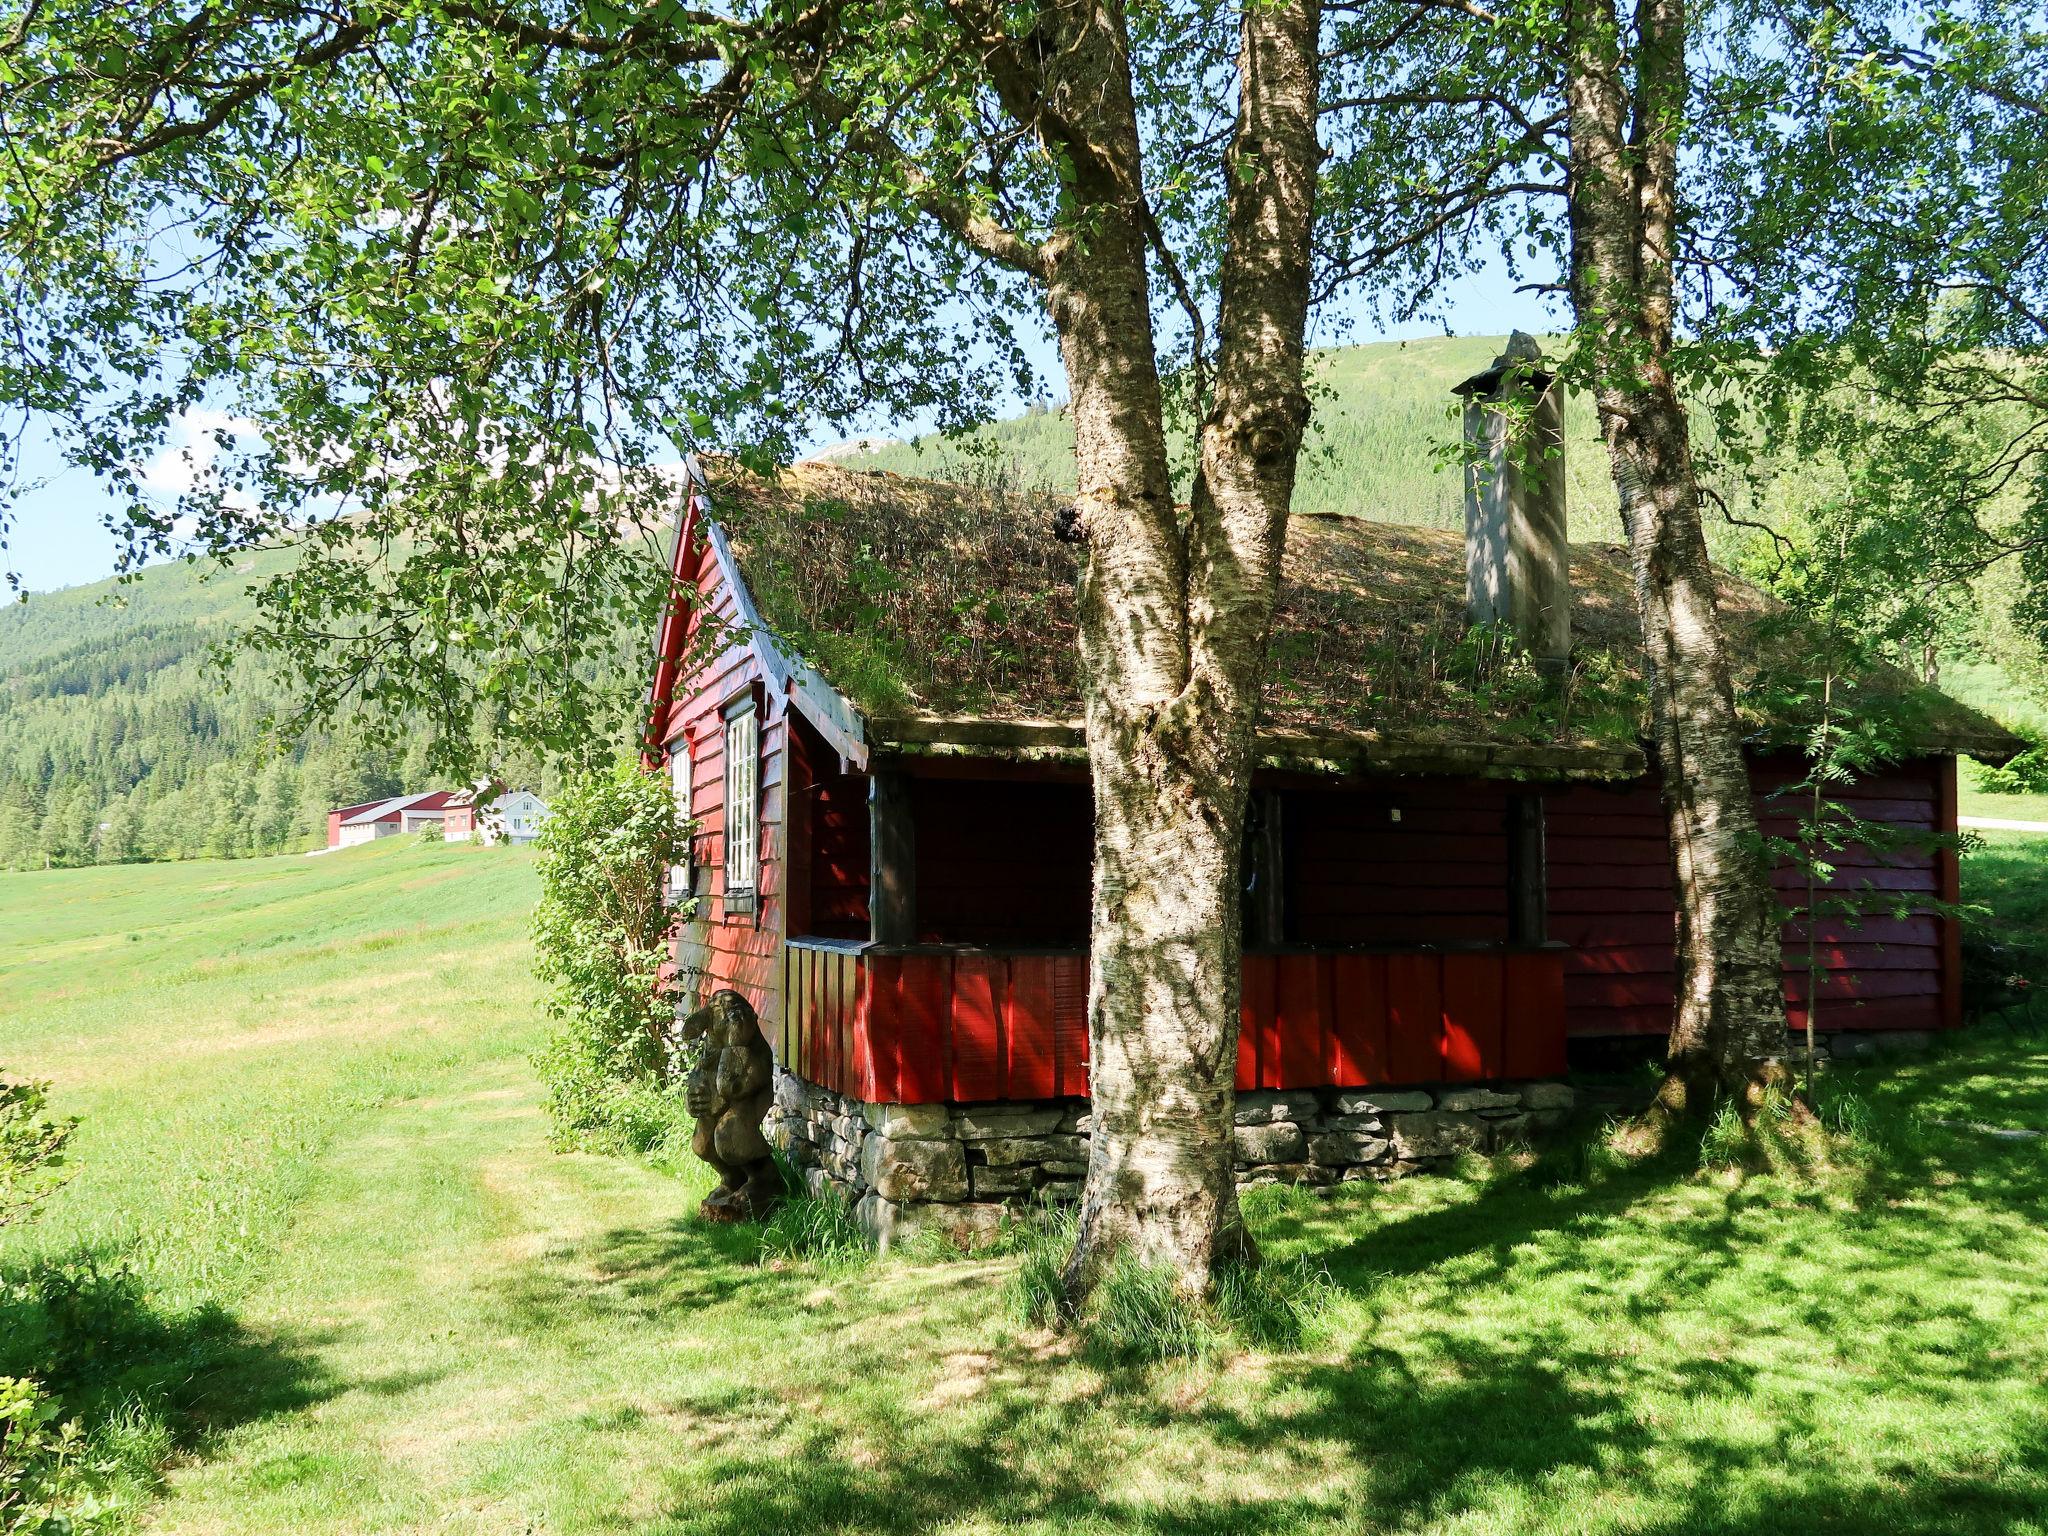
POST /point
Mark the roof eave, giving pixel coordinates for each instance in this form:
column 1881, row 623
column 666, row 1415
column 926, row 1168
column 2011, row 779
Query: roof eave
column 1335, row 754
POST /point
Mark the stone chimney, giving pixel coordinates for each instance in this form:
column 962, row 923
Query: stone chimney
column 1517, row 555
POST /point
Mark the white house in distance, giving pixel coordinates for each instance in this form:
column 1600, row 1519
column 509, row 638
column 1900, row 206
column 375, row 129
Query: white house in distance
column 494, row 815
column 349, row 825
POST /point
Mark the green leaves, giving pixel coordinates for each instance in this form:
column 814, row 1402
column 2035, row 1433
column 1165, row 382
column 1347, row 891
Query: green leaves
column 601, row 939
column 31, row 1149
column 469, row 285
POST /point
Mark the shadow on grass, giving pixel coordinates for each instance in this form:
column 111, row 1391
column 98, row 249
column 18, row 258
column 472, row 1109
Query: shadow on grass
column 1507, row 1441
column 148, row 1382
column 1639, row 1349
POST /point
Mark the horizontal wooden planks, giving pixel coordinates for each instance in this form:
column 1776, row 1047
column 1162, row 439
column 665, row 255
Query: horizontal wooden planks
column 1426, row 863
column 1003, row 862
column 716, row 948
column 1610, row 900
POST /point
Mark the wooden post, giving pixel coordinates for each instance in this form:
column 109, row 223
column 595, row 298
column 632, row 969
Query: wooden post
column 1266, row 900
column 1528, row 871
column 799, row 797
column 1948, row 878
column 892, row 859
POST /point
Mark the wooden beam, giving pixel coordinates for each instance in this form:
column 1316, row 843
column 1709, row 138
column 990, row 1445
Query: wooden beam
column 892, row 859
column 1948, row 877
column 1528, row 871
column 1265, row 864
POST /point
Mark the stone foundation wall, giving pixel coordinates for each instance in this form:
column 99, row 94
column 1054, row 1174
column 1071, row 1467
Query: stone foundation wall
column 954, row 1168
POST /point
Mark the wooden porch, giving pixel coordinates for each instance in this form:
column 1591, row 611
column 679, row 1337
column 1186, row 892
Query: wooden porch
column 924, row 1024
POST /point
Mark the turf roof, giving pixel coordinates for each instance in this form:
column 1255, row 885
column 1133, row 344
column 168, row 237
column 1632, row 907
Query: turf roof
column 920, row 600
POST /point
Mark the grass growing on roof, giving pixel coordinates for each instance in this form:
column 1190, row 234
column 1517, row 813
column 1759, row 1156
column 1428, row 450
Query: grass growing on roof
column 371, row 1300
column 916, row 597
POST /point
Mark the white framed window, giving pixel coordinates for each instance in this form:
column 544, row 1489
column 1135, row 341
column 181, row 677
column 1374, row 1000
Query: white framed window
column 679, row 770
column 742, row 805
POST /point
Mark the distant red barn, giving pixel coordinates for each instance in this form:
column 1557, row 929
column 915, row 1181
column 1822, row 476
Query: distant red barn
column 349, row 825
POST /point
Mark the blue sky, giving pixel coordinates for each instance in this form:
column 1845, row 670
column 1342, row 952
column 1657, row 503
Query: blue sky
column 60, row 538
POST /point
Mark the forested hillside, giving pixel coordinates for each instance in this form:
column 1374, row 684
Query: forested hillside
column 119, row 740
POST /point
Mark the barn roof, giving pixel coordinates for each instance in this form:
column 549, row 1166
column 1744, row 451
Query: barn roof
column 387, row 810
column 946, row 616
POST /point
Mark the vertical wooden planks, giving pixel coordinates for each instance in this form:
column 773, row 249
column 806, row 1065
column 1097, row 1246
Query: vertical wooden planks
column 1033, row 1070
column 1302, row 993
column 1415, row 1022
column 791, row 959
column 800, row 1053
column 1358, row 1032
column 859, row 1054
column 849, row 1005
column 828, row 1018
column 923, row 1029
column 881, row 1011
column 1533, row 1015
column 1256, row 1021
column 1070, row 1025
column 1472, row 1017
column 977, row 1028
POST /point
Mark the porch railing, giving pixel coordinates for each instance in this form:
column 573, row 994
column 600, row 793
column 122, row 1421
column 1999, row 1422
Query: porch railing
column 936, row 1024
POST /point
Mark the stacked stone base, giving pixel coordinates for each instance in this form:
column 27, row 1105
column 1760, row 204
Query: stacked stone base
column 956, row 1169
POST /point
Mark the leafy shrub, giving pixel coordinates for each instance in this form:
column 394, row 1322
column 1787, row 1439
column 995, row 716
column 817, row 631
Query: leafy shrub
column 600, row 938
column 31, row 1149
column 2026, row 774
column 2002, row 969
column 36, row 1455
column 41, row 1488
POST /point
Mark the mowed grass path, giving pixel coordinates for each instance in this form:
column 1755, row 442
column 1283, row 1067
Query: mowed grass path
column 312, row 1125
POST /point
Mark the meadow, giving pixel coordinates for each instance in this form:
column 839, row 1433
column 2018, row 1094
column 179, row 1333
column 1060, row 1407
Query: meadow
column 318, row 1263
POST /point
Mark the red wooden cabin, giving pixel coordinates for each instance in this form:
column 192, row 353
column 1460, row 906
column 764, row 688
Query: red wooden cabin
column 865, row 692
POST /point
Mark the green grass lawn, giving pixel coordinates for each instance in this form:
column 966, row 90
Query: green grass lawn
column 367, row 1298
column 1977, row 802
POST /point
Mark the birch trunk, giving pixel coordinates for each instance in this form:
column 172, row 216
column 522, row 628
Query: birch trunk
column 1728, row 1031
column 1175, row 612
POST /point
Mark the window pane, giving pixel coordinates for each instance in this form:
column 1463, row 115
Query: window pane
column 742, row 753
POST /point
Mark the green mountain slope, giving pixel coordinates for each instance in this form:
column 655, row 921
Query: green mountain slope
column 119, row 739
column 1381, row 441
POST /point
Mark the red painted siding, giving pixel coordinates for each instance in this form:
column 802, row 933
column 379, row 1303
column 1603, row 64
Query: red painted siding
column 929, row 1026
column 1425, row 863
column 717, row 948
column 1611, row 902
column 1002, row 862
column 837, row 809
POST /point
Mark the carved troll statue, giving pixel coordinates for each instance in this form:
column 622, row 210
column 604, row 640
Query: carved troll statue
column 728, row 1091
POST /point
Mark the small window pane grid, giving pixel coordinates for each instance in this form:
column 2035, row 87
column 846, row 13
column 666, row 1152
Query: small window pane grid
column 742, row 768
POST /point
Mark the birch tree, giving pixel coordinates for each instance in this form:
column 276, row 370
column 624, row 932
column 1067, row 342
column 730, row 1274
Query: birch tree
column 464, row 269
column 1684, row 180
